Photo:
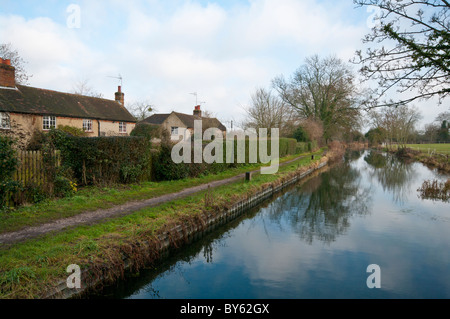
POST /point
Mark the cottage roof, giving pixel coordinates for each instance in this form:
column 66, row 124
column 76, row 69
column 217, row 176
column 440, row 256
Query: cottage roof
column 188, row 120
column 29, row 100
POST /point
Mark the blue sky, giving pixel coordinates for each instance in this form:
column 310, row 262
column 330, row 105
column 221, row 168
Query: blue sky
column 165, row 50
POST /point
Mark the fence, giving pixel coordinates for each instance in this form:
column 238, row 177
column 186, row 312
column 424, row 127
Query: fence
column 31, row 173
column 31, row 167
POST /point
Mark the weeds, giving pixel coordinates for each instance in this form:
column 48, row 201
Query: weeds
column 435, row 190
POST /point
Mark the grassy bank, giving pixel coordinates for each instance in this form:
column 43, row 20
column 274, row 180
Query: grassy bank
column 94, row 198
column 430, row 149
column 434, row 158
column 32, row 268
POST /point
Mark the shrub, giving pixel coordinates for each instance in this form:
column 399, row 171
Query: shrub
column 149, row 131
column 106, row 160
column 301, row 135
column 8, row 164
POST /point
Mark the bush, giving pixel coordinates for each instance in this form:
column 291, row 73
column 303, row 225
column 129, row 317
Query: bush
column 149, row 131
column 107, row 160
column 8, row 164
column 301, row 135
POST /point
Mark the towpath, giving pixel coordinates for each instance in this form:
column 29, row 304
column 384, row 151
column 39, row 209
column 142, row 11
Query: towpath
column 92, row 217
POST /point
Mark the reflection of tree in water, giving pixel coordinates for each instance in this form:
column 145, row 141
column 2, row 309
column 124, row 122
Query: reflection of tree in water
column 322, row 207
column 394, row 175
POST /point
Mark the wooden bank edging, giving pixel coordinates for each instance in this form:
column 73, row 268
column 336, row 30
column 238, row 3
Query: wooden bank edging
column 185, row 233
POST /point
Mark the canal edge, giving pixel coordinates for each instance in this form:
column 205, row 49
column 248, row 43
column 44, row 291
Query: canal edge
column 181, row 235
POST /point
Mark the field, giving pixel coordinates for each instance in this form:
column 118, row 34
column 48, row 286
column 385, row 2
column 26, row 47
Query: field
column 431, row 148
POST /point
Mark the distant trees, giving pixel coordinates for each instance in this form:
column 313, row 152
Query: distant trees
column 396, row 124
column 269, row 111
column 409, row 50
column 141, row 109
column 82, row 87
column 323, row 90
column 8, row 52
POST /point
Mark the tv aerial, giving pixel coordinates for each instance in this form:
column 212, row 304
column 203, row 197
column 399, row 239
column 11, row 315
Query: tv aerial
column 196, row 99
column 119, row 78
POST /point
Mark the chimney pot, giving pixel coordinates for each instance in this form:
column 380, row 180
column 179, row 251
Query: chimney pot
column 120, row 96
column 7, row 73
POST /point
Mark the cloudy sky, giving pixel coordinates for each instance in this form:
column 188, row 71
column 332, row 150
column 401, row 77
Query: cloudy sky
column 165, row 50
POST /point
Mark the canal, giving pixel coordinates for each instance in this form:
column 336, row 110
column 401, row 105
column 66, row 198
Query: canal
column 317, row 239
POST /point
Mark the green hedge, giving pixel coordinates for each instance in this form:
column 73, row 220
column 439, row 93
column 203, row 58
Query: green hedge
column 105, row 160
column 165, row 169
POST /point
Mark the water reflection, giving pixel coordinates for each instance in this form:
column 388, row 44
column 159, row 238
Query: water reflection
column 394, row 175
column 316, row 240
column 322, row 207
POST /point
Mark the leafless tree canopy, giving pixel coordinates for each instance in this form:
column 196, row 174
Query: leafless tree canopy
column 324, row 90
column 398, row 122
column 141, row 109
column 82, row 87
column 8, row 52
column 409, row 50
column 269, row 111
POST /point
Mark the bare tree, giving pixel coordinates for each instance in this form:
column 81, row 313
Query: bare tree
column 416, row 56
column 141, row 109
column 8, row 52
column 268, row 111
column 323, row 90
column 398, row 123
column 82, row 87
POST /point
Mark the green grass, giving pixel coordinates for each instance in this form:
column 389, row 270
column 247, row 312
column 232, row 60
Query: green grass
column 94, row 198
column 27, row 269
column 429, row 148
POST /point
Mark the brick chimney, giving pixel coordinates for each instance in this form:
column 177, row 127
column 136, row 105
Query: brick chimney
column 198, row 111
column 120, row 97
column 7, row 74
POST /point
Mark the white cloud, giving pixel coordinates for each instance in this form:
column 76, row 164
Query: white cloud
column 165, row 50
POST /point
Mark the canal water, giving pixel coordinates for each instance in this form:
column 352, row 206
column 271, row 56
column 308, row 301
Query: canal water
column 317, row 240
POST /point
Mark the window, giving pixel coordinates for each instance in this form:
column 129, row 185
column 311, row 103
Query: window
column 87, row 125
column 5, row 123
column 174, row 130
column 122, row 127
column 49, row 122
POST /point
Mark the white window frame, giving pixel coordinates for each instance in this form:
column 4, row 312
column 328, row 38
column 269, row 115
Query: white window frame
column 88, row 126
column 48, row 122
column 5, row 121
column 174, row 130
column 122, row 127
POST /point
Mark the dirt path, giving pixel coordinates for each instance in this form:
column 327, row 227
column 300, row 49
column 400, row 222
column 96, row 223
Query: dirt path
column 93, row 217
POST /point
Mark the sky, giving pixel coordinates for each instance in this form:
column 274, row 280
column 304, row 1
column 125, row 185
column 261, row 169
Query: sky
column 164, row 51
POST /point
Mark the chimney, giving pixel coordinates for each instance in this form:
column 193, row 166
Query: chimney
column 7, row 74
column 198, row 111
column 120, row 97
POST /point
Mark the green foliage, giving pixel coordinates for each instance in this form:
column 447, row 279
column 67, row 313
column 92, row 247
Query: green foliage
column 106, row 160
column 301, row 135
column 165, row 169
column 8, row 164
column 73, row 131
column 288, row 146
column 148, row 131
column 376, row 135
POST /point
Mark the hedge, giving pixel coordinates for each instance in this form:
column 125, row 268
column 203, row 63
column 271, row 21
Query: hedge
column 105, row 160
column 165, row 169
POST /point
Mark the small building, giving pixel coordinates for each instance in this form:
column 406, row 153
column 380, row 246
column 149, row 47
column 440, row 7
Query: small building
column 177, row 123
column 25, row 109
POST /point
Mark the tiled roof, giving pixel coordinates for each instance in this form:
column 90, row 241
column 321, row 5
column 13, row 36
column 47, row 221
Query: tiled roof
column 29, row 100
column 188, row 120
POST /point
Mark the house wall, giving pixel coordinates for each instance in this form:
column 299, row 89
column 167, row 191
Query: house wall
column 24, row 125
column 110, row 128
column 174, row 121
